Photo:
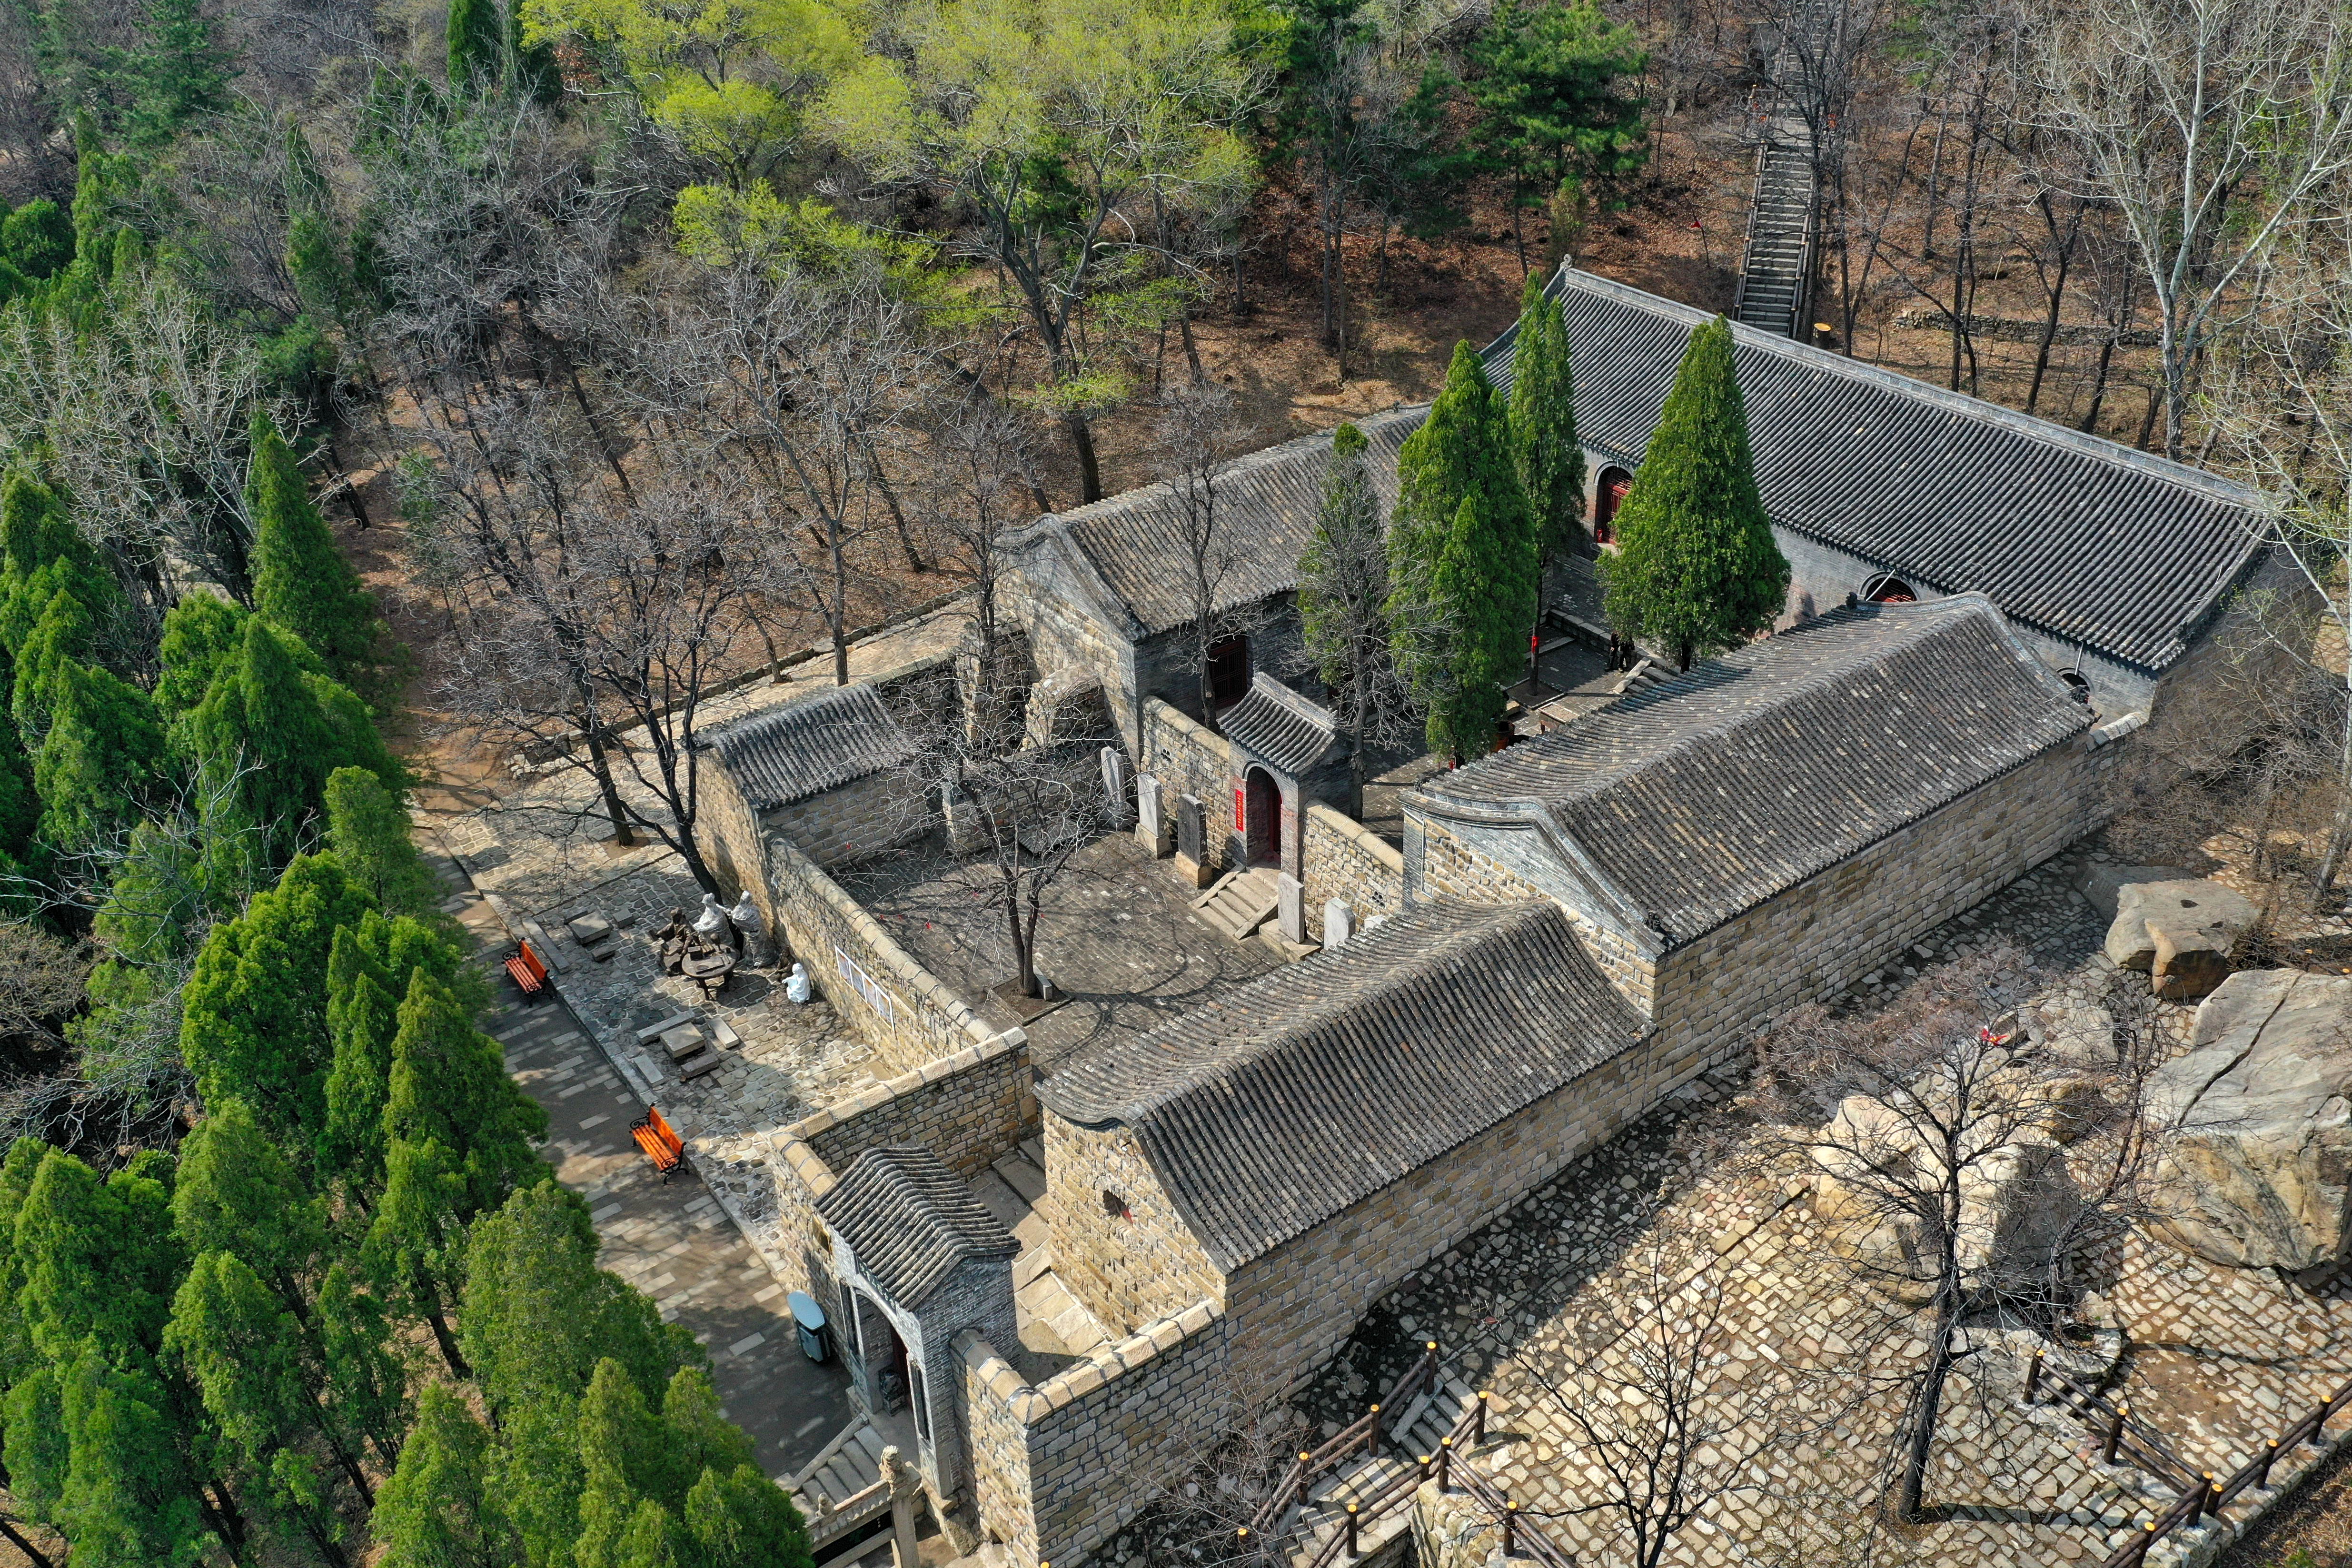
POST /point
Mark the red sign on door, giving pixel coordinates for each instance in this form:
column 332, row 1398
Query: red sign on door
column 1240, row 816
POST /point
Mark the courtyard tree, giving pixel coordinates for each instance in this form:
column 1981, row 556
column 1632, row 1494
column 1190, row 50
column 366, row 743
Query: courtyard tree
column 1343, row 591
column 1543, row 424
column 1697, row 568
column 1461, row 561
column 1963, row 1163
column 1064, row 129
column 2216, row 129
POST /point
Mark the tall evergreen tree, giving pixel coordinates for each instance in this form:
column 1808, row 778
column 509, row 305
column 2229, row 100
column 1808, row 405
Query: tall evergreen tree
column 1697, row 568
column 1545, row 78
column 100, row 759
column 181, row 71
column 1461, row 560
column 1551, row 458
column 1343, row 591
column 201, row 633
column 362, row 1017
column 254, row 1022
column 42, row 553
column 435, row 1510
column 237, row 1194
column 369, row 831
column 301, row 580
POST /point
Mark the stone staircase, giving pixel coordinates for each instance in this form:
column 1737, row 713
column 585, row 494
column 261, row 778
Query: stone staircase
column 1317, row 1533
column 1240, row 903
column 1772, row 276
column 847, row 1471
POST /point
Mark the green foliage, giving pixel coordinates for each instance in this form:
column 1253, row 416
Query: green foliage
column 127, row 1501
column 201, row 633
column 435, row 1510
column 1551, row 458
column 45, row 555
column 181, row 72
column 253, row 1027
column 236, row 1194
column 99, row 1260
column 1697, row 568
column 1545, row 81
column 1461, row 560
column 301, row 580
column 369, row 831
column 362, row 1017
column 37, row 238
column 676, row 1484
column 487, row 52
column 100, row 762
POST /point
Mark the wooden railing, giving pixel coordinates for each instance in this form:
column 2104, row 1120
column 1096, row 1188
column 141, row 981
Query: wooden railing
column 1359, row 1435
column 2201, row 1496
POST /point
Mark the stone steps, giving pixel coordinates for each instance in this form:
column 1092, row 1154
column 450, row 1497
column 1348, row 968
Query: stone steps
column 1425, row 1423
column 1241, row 902
column 847, row 1466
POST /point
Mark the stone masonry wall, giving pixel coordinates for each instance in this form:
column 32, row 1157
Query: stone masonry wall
column 969, row 1109
column 862, row 817
column 1128, row 1268
column 1188, row 758
column 1295, row 1305
column 1062, row 1466
column 1838, row 925
column 1345, row 859
column 1474, row 864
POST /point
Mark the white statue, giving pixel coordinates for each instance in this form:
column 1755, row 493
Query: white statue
column 711, row 924
column 797, row 989
column 745, row 918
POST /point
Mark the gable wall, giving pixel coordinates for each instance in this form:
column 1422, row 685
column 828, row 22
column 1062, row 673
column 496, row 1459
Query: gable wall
column 1127, row 1271
column 1474, row 863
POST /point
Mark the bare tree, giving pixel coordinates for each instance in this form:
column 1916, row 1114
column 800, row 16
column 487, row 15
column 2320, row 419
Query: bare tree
column 2217, row 128
column 1198, row 434
column 41, row 979
column 978, row 469
column 1964, row 1164
column 1660, row 1426
column 2282, row 413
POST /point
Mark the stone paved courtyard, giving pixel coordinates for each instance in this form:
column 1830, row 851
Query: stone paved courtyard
column 1116, row 935
column 2217, row 1360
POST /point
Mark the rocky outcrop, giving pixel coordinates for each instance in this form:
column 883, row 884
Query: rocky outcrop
column 2102, row 880
column 2255, row 1124
column 2181, row 933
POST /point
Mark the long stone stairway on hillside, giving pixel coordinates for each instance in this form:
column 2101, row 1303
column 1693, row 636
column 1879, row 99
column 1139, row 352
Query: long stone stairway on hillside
column 1776, row 267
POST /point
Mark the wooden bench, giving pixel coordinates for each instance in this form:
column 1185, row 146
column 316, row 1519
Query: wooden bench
column 660, row 1142
column 529, row 972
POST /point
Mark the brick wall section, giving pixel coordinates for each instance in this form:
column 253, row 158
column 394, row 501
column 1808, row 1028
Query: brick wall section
column 1838, row 925
column 1060, row 1467
column 1345, row 859
column 1127, row 1270
column 969, row 1109
column 1188, row 758
column 862, row 817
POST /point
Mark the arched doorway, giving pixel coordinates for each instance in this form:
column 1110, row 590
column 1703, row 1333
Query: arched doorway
column 1262, row 817
column 1614, row 486
column 1888, row 589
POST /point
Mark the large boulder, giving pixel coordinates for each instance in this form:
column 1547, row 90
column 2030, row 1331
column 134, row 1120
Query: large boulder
column 2181, row 932
column 2255, row 1126
column 2102, row 880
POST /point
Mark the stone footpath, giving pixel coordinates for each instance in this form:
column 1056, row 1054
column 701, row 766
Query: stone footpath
column 671, row 1240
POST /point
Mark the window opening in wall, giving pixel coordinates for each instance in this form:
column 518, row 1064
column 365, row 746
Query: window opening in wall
column 2078, row 683
column 1888, row 589
column 1229, row 671
column 1615, row 485
column 1115, row 1205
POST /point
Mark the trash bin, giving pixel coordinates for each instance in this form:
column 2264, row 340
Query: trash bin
column 809, row 1319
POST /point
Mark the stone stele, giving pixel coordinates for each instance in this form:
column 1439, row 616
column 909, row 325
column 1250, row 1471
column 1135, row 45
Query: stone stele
column 2181, row 934
column 2256, row 1126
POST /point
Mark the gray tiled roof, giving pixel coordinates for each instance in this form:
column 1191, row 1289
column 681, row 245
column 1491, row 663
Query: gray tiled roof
column 1276, row 1106
column 1268, row 501
column 1703, row 797
column 1278, row 725
column 2105, row 546
column 908, row 1221
column 801, row 749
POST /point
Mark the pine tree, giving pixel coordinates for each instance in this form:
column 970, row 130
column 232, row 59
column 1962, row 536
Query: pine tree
column 1549, row 458
column 100, row 759
column 435, row 1510
column 1461, row 561
column 237, row 1194
column 201, row 634
column 1697, row 567
column 301, row 580
column 254, row 1024
column 181, row 71
column 369, row 831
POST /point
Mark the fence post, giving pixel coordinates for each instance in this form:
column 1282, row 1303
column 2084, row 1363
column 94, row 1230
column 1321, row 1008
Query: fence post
column 2270, row 1457
column 1372, row 1432
column 1353, row 1550
column 1478, row 1422
column 1510, row 1528
column 1425, row 1466
column 1445, row 1463
column 1306, row 1475
column 2208, row 1504
column 2033, row 1375
column 2114, row 1432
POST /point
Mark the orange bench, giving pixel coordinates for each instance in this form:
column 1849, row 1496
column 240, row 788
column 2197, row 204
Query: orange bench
column 529, row 972
column 660, row 1143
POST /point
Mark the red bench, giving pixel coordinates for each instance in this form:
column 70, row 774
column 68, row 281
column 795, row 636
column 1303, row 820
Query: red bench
column 529, row 972
column 659, row 1142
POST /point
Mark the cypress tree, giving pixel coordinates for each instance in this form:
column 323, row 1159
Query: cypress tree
column 237, row 1194
column 253, row 1025
column 1461, row 560
column 366, row 1382
column 42, row 553
column 61, row 635
column 435, row 1510
column 20, row 805
column 201, row 634
column 1697, row 567
column 1343, row 590
column 101, row 758
column 369, row 831
column 127, row 1497
column 301, row 580
column 362, row 1015
column 1549, row 458
column 479, row 43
